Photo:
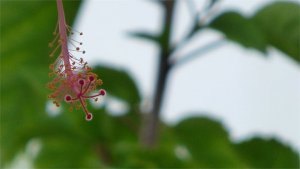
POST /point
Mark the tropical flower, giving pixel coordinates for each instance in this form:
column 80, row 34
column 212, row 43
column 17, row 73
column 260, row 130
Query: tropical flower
column 73, row 79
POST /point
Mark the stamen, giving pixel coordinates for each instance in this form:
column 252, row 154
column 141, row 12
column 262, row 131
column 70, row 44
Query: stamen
column 50, row 45
column 55, row 30
column 77, row 50
column 80, row 43
column 70, row 29
column 53, row 52
column 74, row 79
column 73, row 44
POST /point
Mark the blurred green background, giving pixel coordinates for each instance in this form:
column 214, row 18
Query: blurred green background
column 68, row 141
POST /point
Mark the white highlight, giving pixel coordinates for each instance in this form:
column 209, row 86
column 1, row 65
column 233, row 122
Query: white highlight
column 51, row 109
column 182, row 152
column 116, row 106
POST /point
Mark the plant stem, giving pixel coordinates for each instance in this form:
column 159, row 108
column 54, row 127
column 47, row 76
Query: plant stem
column 197, row 52
column 149, row 133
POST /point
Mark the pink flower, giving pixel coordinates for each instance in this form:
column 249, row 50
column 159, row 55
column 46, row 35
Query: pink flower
column 73, row 79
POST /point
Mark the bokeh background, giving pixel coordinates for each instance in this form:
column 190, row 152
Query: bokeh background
column 231, row 98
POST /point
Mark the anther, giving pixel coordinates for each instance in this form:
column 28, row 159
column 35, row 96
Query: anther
column 77, row 48
column 83, row 52
column 80, row 33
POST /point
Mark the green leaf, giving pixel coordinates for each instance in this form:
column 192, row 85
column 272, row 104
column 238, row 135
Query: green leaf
column 132, row 155
column 146, row 36
column 26, row 29
column 208, row 143
column 267, row 153
column 63, row 152
column 119, row 84
column 91, row 144
column 240, row 29
column 281, row 25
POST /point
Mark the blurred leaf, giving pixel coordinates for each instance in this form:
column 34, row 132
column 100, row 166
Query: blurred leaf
column 26, row 29
column 132, row 155
column 92, row 143
column 62, row 152
column 112, row 129
column 119, row 84
column 263, row 153
column 208, row 143
column 146, row 36
column 210, row 147
column 282, row 31
column 240, row 29
column 281, row 25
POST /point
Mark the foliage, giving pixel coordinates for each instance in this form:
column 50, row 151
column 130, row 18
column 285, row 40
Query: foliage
column 283, row 32
column 68, row 141
column 239, row 29
column 276, row 25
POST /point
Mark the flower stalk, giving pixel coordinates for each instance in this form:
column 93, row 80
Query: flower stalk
column 73, row 79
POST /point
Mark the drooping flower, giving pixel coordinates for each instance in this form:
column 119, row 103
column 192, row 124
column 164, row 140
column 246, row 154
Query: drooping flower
column 73, row 80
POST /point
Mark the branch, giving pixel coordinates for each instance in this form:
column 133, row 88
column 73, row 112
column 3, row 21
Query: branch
column 200, row 21
column 198, row 52
column 149, row 131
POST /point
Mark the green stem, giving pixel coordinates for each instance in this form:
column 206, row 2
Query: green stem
column 149, row 133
